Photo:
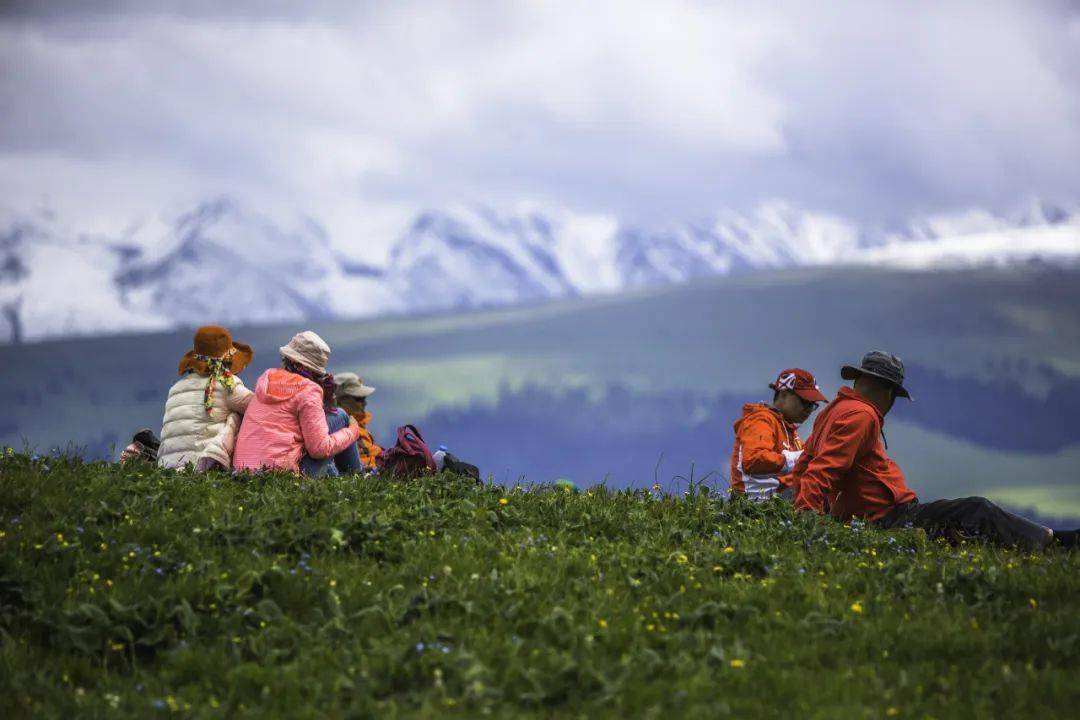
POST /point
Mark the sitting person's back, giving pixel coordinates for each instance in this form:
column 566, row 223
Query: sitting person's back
column 845, row 470
column 287, row 415
column 202, row 413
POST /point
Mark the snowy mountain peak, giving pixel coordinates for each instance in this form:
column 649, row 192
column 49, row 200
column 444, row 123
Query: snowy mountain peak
column 1041, row 212
column 224, row 262
column 468, row 257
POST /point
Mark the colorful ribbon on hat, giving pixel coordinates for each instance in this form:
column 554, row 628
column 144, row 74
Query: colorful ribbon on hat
column 218, row 371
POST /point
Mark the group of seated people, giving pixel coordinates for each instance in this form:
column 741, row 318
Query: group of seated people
column 300, row 417
column 843, row 468
column 303, row 419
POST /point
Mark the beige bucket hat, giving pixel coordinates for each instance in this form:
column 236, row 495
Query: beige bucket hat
column 350, row 385
column 308, row 349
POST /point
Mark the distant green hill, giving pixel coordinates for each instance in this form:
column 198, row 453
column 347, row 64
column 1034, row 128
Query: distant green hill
column 615, row 387
column 133, row 592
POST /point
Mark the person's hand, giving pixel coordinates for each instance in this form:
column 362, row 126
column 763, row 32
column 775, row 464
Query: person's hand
column 790, row 458
column 353, row 424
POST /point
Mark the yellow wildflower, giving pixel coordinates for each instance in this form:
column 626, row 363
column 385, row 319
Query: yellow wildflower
column 737, row 664
column 856, row 607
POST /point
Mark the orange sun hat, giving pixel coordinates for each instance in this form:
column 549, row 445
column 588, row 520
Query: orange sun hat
column 213, row 342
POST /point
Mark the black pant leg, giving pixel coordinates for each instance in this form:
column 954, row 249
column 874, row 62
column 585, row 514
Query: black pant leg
column 977, row 517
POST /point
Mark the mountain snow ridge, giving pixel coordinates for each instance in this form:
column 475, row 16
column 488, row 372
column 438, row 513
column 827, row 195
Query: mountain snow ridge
column 225, row 262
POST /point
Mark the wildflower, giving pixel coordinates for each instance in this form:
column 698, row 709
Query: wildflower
column 504, row 501
column 737, row 664
column 856, row 607
column 729, row 549
column 333, row 582
column 892, row 712
column 1033, row 603
column 602, row 623
column 681, row 558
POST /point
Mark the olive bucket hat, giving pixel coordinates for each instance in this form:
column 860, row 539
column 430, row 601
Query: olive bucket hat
column 879, row 364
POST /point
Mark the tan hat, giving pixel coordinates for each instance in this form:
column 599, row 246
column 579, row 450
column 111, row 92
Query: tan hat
column 350, row 385
column 213, row 342
column 308, row 349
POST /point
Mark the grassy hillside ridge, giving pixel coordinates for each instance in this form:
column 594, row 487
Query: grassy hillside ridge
column 994, row 357
column 135, row 592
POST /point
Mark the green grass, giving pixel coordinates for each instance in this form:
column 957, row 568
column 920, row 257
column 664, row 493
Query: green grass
column 134, row 592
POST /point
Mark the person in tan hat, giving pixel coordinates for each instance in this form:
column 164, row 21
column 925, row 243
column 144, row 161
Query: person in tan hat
column 202, row 413
column 288, row 416
column 352, row 396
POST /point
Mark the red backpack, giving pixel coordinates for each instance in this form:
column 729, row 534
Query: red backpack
column 410, row 456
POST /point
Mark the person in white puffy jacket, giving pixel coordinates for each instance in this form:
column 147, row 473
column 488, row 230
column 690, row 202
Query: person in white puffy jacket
column 202, row 413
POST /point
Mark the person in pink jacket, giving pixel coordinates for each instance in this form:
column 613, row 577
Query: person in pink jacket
column 286, row 418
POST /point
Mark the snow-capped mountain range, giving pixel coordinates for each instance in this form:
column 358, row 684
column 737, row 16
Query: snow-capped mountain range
column 225, row 262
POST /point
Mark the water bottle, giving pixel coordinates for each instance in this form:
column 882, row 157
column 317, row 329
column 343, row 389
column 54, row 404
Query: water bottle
column 440, row 458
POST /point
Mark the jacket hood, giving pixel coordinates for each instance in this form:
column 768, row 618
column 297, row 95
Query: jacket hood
column 750, row 410
column 277, row 385
column 846, row 394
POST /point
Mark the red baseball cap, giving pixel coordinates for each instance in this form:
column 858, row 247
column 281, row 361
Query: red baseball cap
column 800, row 382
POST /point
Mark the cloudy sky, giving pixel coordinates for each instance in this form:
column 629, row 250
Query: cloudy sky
column 361, row 113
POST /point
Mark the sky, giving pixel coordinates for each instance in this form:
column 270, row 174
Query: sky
column 361, row 114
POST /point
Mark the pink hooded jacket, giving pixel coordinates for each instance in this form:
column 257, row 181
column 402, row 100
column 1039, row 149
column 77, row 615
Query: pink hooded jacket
column 284, row 419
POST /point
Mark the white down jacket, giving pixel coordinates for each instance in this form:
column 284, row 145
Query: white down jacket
column 190, row 434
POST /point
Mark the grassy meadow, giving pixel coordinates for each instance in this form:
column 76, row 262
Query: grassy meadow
column 137, row 592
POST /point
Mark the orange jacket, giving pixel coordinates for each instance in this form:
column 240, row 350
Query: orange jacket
column 369, row 451
column 844, row 469
column 756, row 460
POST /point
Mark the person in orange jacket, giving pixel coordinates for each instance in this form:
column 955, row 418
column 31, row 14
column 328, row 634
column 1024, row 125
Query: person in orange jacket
column 845, row 471
column 767, row 442
column 351, row 395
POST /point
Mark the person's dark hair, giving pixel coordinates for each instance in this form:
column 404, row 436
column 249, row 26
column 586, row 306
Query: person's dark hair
column 881, row 383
